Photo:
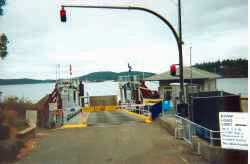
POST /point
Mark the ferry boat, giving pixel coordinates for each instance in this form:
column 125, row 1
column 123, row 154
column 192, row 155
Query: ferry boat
column 133, row 90
column 65, row 102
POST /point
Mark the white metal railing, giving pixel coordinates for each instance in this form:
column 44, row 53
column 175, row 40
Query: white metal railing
column 136, row 108
column 191, row 129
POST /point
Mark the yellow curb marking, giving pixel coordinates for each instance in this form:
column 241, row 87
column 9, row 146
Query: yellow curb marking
column 74, row 126
column 146, row 118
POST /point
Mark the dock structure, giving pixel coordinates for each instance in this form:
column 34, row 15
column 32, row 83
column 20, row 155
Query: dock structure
column 124, row 121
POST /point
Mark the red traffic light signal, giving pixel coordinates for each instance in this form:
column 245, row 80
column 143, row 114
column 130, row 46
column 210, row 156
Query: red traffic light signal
column 173, row 70
column 63, row 15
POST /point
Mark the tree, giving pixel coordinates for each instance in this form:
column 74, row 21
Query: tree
column 3, row 45
column 2, row 3
column 227, row 67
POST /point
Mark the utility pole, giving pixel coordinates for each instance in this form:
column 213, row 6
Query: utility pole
column 191, row 65
column 191, row 73
column 59, row 69
column 191, row 81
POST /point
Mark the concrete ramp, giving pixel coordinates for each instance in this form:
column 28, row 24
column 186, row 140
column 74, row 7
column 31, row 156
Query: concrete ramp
column 78, row 121
column 111, row 118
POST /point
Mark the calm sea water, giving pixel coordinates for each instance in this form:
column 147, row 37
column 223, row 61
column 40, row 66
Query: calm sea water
column 35, row 92
column 234, row 85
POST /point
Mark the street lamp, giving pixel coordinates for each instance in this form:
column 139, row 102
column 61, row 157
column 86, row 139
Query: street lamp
column 177, row 38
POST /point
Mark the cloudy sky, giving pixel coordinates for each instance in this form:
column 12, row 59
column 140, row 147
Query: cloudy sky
column 106, row 40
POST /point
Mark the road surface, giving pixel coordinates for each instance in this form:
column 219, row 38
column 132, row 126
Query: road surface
column 111, row 138
column 110, row 118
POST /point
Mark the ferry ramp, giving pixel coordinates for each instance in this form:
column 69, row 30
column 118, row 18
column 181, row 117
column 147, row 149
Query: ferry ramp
column 111, row 118
column 104, row 111
column 111, row 136
column 123, row 143
column 90, row 117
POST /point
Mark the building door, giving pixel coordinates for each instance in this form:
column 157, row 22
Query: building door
column 167, row 93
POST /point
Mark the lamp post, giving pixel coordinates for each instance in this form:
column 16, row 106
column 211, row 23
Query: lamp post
column 177, row 38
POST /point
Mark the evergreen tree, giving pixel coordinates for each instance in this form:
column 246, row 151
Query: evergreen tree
column 226, row 68
column 3, row 45
column 2, row 3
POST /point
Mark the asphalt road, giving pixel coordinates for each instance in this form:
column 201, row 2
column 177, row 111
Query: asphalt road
column 120, row 140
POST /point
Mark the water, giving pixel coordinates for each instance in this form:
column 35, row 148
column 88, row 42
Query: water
column 35, row 92
column 32, row 92
column 234, row 85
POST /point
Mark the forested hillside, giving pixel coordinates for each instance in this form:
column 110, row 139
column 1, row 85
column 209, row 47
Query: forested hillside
column 227, row 68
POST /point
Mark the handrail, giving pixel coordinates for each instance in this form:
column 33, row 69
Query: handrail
column 197, row 124
column 133, row 106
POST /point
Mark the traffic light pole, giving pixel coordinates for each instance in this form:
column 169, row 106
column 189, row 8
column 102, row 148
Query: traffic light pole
column 180, row 55
column 177, row 38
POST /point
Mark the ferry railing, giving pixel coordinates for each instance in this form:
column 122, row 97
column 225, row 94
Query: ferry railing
column 193, row 129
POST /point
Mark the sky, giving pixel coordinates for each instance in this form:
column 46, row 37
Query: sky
column 106, row 40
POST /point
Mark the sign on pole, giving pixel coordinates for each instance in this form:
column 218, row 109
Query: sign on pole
column 233, row 130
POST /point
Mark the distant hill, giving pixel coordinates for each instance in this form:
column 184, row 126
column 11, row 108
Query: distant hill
column 102, row 76
column 99, row 76
column 23, row 81
column 95, row 76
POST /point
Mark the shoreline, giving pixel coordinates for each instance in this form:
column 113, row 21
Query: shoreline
column 4, row 84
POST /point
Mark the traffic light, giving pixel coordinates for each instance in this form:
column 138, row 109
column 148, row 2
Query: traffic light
column 63, row 15
column 173, row 70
